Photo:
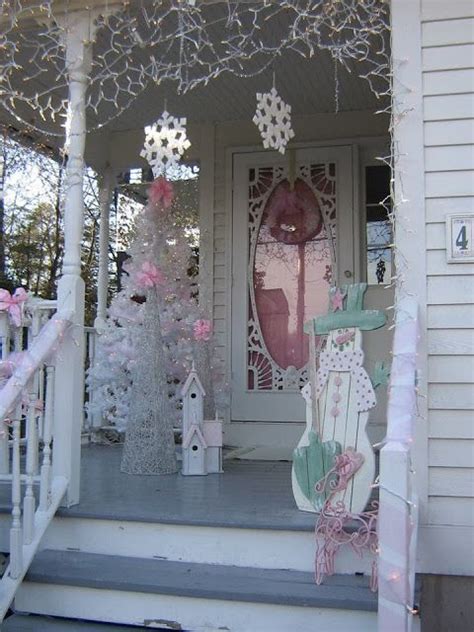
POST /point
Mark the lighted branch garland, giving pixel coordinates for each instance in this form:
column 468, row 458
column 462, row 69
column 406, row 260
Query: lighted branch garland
column 189, row 42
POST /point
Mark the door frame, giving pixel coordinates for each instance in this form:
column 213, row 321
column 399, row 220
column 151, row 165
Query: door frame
column 256, row 156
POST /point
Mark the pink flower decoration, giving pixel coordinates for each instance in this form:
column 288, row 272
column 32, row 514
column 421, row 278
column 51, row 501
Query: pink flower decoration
column 161, row 192
column 13, row 304
column 202, row 330
column 149, row 276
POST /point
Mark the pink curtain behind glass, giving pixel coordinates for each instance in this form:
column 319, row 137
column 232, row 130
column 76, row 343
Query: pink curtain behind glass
column 291, row 271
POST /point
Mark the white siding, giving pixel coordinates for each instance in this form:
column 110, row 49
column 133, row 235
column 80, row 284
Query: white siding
column 448, row 109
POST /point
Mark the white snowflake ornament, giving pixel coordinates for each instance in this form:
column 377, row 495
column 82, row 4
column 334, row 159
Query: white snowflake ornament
column 273, row 119
column 165, row 143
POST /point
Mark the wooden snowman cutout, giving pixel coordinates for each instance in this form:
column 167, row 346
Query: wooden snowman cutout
column 345, row 396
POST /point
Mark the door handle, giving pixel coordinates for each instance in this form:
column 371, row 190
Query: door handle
column 347, row 274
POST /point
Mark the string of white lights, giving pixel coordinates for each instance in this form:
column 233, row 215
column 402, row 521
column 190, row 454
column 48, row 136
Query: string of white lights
column 139, row 42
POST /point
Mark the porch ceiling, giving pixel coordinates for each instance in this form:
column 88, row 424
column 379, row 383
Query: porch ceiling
column 308, row 84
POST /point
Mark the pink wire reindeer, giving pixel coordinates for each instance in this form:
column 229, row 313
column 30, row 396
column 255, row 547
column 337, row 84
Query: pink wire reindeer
column 336, row 526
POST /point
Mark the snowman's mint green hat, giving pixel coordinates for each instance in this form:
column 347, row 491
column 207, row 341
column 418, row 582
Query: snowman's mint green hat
column 346, row 310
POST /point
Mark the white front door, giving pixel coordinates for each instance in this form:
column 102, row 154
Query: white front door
column 293, row 227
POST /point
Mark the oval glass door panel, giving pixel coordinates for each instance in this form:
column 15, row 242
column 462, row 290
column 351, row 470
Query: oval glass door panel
column 290, row 271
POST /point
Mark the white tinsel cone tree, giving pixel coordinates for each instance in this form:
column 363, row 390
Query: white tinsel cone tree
column 149, row 440
column 158, row 272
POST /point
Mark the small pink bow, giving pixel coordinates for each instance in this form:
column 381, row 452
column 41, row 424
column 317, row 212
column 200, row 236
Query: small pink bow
column 161, row 192
column 13, row 304
column 337, row 300
column 345, row 337
column 149, row 276
column 202, row 330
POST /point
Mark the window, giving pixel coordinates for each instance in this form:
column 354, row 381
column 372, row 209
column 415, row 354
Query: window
column 378, row 226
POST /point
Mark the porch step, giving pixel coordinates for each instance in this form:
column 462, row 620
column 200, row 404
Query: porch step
column 33, row 623
column 191, row 596
column 211, row 544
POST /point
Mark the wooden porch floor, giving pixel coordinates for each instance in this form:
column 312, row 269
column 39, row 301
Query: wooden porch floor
column 249, row 494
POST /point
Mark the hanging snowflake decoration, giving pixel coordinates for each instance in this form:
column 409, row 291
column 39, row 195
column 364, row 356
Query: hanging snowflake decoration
column 273, row 119
column 165, row 143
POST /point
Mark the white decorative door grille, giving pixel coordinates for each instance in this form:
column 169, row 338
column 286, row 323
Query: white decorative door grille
column 287, row 218
column 292, row 233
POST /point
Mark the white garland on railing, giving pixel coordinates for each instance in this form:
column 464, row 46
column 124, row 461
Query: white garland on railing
column 43, row 347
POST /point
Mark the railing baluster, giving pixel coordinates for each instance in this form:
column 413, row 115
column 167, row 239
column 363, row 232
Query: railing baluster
column 45, row 482
column 93, row 419
column 31, row 459
column 41, row 394
column 5, row 342
column 16, row 540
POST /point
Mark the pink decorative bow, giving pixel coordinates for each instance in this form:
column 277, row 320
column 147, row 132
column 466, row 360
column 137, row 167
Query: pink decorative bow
column 161, row 192
column 345, row 337
column 202, row 330
column 13, row 304
column 149, row 275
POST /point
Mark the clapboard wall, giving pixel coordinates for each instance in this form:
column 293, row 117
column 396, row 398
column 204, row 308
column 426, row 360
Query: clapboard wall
column 447, row 39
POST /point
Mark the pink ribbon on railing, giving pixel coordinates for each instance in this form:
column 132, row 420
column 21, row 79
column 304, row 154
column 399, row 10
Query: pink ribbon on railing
column 13, row 304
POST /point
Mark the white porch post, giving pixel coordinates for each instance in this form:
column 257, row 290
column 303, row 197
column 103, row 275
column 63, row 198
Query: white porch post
column 105, row 198
column 69, row 387
column 406, row 449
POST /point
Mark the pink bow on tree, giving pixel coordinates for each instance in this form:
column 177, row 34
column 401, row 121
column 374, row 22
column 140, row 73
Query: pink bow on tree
column 202, row 330
column 13, row 304
column 161, row 192
column 149, row 275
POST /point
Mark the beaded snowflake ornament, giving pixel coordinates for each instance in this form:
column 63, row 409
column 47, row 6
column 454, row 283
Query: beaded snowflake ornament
column 273, row 119
column 165, row 143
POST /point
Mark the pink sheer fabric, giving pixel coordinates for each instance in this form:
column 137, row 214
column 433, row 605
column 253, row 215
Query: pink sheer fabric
column 291, row 271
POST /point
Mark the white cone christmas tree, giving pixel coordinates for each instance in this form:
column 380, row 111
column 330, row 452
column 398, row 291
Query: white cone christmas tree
column 158, row 272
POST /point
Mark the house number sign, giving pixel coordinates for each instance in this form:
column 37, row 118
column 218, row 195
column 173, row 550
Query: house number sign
column 460, row 238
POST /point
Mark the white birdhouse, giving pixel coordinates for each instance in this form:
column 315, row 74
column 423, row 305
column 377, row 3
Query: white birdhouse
column 212, row 431
column 193, row 401
column 194, row 452
column 202, row 440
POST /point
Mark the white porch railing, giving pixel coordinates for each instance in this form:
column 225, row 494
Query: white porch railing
column 27, row 429
column 398, row 512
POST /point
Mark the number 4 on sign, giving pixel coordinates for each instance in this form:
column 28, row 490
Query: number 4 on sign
column 460, row 238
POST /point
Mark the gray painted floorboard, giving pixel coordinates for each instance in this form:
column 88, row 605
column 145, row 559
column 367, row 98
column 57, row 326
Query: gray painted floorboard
column 31, row 623
column 249, row 494
column 205, row 581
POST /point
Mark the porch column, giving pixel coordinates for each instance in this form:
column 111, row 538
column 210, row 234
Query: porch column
column 105, row 198
column 69, row 405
